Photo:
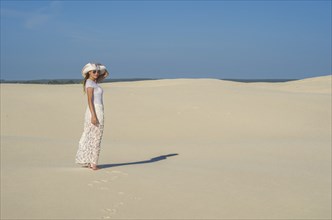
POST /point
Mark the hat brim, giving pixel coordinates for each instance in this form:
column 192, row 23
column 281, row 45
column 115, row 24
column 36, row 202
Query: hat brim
column 103, row 72
column 88, row 69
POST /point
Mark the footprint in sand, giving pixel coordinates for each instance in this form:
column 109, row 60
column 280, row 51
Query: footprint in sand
column 103, row 185
column 136, row 198
column 99, row 183
column 104, row 188
column 109, row 212
column 116, row 208
column 117, row 172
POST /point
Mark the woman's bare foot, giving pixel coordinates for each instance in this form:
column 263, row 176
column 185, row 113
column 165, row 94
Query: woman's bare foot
column 94, row 167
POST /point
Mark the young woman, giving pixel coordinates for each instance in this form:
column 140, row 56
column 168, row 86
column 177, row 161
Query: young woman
column 89, row 144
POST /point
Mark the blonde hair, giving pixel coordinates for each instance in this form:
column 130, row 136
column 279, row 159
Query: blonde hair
column 87, row 75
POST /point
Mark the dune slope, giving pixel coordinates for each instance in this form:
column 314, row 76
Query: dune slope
column 172, row 149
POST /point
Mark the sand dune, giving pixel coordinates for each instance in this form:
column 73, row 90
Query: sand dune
column 172, row 149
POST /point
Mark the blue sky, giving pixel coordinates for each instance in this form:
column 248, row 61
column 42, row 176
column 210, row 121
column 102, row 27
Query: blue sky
column 166, row 39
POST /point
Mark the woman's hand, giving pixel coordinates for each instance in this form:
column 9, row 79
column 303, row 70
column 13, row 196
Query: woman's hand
column 94, row 121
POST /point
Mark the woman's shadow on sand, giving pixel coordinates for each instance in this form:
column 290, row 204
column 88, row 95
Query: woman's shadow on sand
column 152, row 160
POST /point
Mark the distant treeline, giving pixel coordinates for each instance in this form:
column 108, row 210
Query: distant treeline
column 79, row 81
column 67, row 81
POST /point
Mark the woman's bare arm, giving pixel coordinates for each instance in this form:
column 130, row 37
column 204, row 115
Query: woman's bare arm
column 94, row 119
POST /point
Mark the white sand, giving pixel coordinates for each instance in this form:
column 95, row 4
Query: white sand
column 244, row 150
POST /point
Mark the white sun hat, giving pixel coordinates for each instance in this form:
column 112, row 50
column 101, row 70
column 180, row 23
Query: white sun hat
column 95, row 66
column 88, row 67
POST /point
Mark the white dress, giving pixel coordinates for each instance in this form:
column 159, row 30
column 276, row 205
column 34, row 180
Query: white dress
column 89, row 144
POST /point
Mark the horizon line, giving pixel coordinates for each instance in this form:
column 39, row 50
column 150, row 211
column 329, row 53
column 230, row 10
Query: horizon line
column 150, row 78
